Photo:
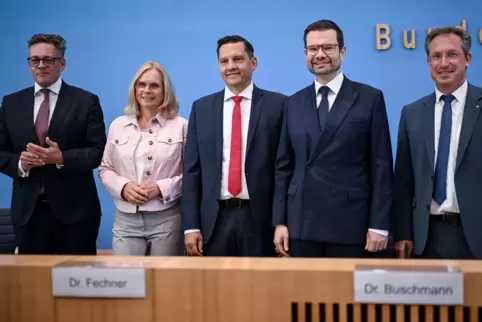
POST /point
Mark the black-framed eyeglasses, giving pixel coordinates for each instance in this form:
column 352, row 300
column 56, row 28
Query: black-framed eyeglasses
column 48, row 61
column 326, row 48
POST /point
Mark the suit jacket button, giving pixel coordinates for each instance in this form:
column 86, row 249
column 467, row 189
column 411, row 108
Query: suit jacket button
column 151, row 143
column 149, row 158
column 170, row 141
column 116, row 141
column 150, row 131
column 167, row 199
column 148, row 173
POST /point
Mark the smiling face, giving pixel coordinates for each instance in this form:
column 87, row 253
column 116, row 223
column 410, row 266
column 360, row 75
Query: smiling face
column 235, row 66
column 323, row 54
column 150, row 90
column 448, row 62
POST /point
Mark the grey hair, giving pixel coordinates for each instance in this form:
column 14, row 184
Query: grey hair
column 463, row 35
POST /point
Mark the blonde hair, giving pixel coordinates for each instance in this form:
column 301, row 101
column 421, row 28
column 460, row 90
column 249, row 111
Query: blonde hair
column 169, row 106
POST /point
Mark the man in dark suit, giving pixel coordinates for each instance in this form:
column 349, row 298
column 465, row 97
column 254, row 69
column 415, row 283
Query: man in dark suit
column 438, row 169
column 334, row 165
column 52, row 136
column 229, row 161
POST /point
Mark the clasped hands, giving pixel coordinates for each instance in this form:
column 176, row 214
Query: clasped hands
column 140, row 193
column 37, row 156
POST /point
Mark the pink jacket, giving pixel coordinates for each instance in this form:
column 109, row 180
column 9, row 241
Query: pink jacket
column 164, row 143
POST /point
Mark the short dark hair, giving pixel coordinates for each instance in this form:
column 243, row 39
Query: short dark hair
column 235, row 39
column 59, row 43
column 322, row 25
column 462, row 34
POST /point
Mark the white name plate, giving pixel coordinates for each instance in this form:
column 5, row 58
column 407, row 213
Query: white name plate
column 416, row 285
column 111, row 282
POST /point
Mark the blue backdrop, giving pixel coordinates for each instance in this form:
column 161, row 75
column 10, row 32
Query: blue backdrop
column 108, row 40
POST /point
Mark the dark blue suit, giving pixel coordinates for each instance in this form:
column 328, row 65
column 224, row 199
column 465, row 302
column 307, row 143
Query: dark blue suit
column 203, row 161
column 331, row 186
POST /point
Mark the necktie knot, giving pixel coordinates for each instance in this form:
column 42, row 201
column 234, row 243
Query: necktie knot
column 324, row 90
column 447, row 98
column 237, row 99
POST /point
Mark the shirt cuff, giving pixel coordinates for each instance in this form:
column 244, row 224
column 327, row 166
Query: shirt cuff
column 59, row 166
column 379, row 231
column 191, row 231
column 21, row 172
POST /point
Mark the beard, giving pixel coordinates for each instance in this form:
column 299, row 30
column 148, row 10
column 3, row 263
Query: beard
column 328, row 68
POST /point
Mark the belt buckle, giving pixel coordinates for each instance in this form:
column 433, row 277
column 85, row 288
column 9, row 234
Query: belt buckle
column 238, row 203
column 448, row 222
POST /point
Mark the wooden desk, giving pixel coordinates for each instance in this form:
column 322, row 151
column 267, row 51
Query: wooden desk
column 185, row 289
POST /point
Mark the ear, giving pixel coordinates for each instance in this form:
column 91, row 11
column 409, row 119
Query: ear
column 254, row 63
column 63, row 64
column 468, row 59
column 342, row 52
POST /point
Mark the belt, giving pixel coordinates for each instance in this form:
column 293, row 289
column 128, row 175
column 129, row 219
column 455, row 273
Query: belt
column 449, row 218
column 234, row 203
column 42, row 197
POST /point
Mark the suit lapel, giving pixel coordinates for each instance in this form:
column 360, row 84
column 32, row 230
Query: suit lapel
column 473, row 104
column 343, row 102
column 61, row 110
column 26, row 108
column 428, row 127
column 217, row 112
column 256, row 105
column 310, row 115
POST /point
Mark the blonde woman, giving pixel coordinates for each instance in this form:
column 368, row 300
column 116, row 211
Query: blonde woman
column 142, row 167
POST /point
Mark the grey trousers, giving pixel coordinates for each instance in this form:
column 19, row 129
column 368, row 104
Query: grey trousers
column 162, row 229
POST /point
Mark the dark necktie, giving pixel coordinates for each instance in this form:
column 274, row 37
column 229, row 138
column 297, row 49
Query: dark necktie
column 42, row 121
column 323, row 108
column 440, row 180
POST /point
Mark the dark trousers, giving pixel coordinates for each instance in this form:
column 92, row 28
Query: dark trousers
column 446, row 240
column 236, row 233
column 45, row 235
column 305, row 248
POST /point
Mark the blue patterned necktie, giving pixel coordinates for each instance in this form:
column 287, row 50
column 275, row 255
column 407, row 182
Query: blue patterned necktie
column 440, row 180
column 323, row 108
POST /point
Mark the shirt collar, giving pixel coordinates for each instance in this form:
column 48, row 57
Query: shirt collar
column 334, row 84
column 55, row 87
column 247, row 93
column 459, row 94
column 132, row 120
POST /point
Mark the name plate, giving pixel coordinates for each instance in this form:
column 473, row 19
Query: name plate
column 99, row 280
column 439, row 285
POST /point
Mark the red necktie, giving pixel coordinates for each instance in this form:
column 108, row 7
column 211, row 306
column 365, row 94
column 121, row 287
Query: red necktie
column 42, row 121
column 234, row 177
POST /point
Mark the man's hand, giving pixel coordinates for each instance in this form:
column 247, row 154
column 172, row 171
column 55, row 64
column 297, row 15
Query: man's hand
column 134, row 194
column 404, row 246
column 194, row 243
column 29, row 160
column 151, row 190
column 50, row 155
column 375, row 242
column 281, row 240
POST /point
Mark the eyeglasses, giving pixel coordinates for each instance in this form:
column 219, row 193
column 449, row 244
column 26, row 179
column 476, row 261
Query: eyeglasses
column 450, row 56
column 48, row 61
column 326, row 48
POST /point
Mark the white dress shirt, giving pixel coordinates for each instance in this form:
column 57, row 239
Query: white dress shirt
column 335, row 85
column 228, row 107
column 450, row 204
column 38, row 99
